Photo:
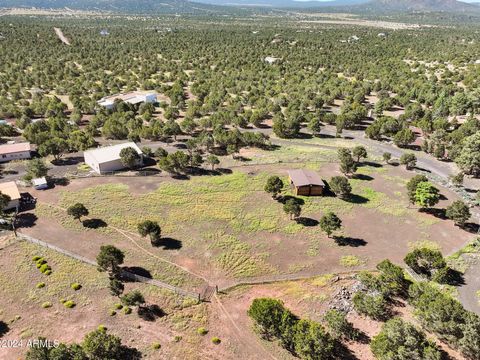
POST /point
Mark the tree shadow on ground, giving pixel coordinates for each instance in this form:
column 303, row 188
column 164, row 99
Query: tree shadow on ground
column 148, row 171
column 62, row 181
column 137, row 270
column 224, row 171
column 180, row 177
column 26, row 220
column 370, row 163
column 3, row 328
column 356, row 199
column 284, row 198
column 438, row 213
column 150, row 312
column 421, row 169
column 148, row 161
column 302, row 135
column 455, row 277
column 307, row 222
column 362, row 177
column 198, row 171
column 471, row 227
column 9, row 172
column 325, row 136
column 74, row 160
column 242, row 158
column 349, row 241
column 129, row 353
column 168, row 243
column 471, row 191
column 94, row 223
column 343, row 352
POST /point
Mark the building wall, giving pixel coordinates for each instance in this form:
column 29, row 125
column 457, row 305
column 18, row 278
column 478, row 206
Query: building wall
column 14, row 204
column 115, row 165
column 309, row 190
column 90, row 161
column 15, row 156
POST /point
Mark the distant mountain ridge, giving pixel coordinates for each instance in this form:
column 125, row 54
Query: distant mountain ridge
column 375, row 7
column 286, row 3
column 127, row 6
column 420, row 6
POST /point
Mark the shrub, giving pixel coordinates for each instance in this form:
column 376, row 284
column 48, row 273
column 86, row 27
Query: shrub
column 118, row 306
column 112, row 313
column 36, row 258
column 156, row 346
column 374, row 306
column 46, row 304
column 102, row 327
column 177, row 338
column 40, row 285
column 425, row 261
column 202, row 331
column 127, row 310
column 48, row 272
column 400, row 337
column 40, row 262
column 76, row 286
column 216, row 340
column 69, row 304
column 44, row 268
column 338, row 325
column 63, row 301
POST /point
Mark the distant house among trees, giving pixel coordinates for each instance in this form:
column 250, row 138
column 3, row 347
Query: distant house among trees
column 306, row 182
column 19, row 151
column 106, row 159
column 134, row 97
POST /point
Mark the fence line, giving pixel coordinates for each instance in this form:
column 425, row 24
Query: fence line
column 124, row 273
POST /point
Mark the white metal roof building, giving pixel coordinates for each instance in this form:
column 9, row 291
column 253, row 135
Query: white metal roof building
column 106, row 159
column 16, row 151
column 134, row 97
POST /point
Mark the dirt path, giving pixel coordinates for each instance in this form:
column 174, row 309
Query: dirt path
column 245, row 338
column 62, row 37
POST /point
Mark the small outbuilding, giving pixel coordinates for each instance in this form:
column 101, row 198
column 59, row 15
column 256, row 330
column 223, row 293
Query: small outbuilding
column 40, row 183
column 107, row 159
column 306, row 182
column 16, row 151
column 11, row 189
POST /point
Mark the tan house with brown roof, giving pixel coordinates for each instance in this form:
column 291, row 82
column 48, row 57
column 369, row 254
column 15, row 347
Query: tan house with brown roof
column 11, row 189
column 306, row 182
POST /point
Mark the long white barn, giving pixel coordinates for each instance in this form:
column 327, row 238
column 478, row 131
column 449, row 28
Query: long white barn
column 135, row 97
column 106, row 159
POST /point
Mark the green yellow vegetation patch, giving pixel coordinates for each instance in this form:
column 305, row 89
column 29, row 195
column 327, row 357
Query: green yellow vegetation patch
column 236, row 258
column 351, row 261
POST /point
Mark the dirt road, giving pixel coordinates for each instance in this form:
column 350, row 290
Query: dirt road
column 62, row 37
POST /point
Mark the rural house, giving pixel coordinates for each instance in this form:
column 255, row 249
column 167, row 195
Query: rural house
column 18, row 151
column 134, row 97
column 11, row 189
column 106, row 159
column 306, row 182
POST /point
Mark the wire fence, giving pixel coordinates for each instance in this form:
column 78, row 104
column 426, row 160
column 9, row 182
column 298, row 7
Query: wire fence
column 125, row 274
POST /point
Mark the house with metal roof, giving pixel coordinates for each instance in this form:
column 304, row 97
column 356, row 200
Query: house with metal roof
column 306, row 182
column 16, row 151
column 10, row 188
column 133, row 97
column 107, row 159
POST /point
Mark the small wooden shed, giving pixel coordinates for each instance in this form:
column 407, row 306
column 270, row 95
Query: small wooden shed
column 306, row 182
